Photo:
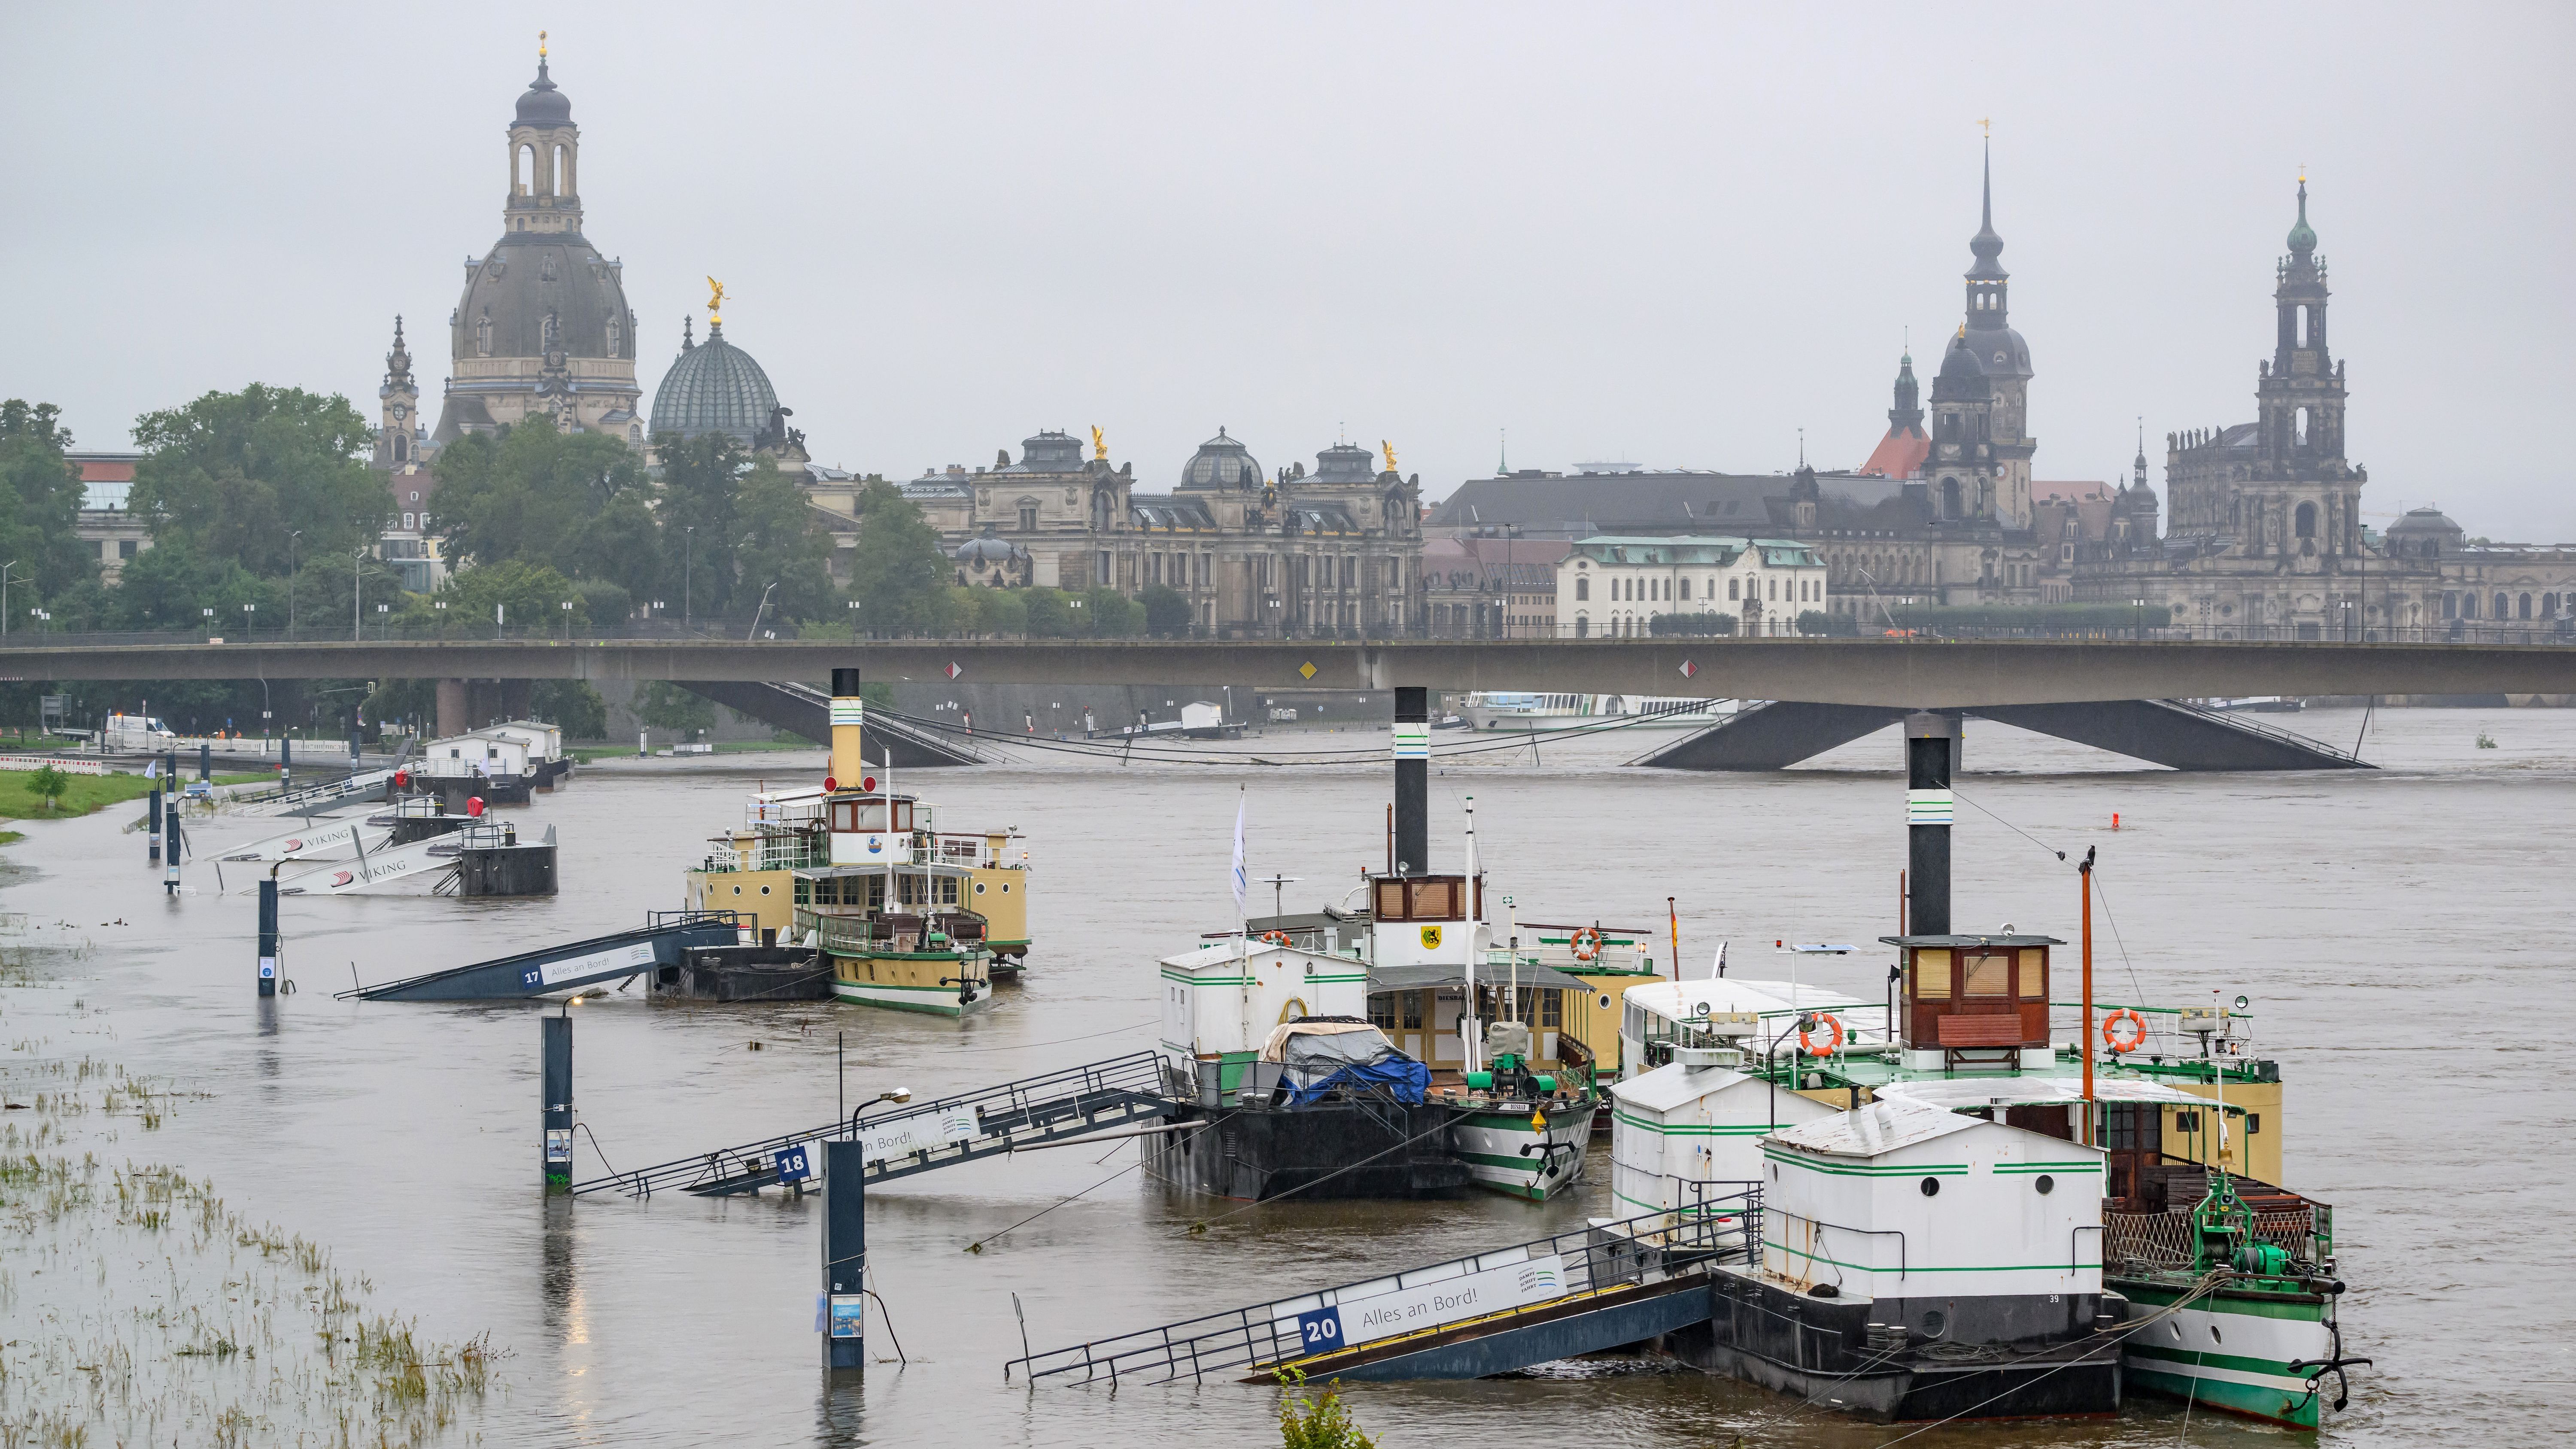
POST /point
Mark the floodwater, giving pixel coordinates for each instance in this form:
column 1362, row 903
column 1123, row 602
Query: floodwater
column 2404, row 934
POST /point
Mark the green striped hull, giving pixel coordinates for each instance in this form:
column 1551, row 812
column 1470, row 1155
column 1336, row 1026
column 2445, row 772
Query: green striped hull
column 1491, row 1143
column 2228, row 1351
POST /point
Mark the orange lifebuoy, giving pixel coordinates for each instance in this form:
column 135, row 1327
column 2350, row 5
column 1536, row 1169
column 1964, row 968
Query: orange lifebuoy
column 1831, row 1023
column 1276, row 938
column 1586, row 942
column 2118, row 1042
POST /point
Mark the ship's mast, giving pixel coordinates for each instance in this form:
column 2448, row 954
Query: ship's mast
column 1471, row 1029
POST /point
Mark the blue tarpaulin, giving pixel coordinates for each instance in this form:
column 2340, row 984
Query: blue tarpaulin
column 1399, row 1075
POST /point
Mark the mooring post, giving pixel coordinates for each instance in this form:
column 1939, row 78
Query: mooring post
column 155, row 822
column 285, row 762
column 170, row 843
column 268, row 933
column 206, row 761
column 845, row 1255
column 557, row 1103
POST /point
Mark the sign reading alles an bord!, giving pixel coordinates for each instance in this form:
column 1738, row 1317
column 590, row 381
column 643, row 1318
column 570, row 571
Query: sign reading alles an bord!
column 1429, row 1305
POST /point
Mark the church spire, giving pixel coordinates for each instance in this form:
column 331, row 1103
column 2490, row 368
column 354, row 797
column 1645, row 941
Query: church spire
column 1906, row 418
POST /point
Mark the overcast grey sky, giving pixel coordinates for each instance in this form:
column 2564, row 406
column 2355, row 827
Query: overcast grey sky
column 1671, row 234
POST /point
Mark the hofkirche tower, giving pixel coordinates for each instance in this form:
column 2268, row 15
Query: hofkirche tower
column 543, row 326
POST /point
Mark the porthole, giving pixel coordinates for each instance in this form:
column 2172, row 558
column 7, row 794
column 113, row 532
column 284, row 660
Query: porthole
column 2175, row 1329
column 1931, row 1187
column 979, row 887
column 2046, row 1184
column 737, row 890
column 1605, row 1001
column 1006, row 887
column 764, row 890
column 2214, row 1336
column 1935, row 1323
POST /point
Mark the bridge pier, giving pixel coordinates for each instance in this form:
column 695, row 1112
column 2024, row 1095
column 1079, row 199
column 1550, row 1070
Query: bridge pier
column 1779, row 733
column 470, row 704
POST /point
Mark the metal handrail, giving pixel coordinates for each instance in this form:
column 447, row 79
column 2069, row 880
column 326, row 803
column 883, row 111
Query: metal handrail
column 2272, row 732
column 998, row 1110
column 1651, row 1247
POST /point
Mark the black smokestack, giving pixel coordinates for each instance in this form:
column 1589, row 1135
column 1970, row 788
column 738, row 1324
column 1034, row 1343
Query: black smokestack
column 1931, row 740
column 1412, row 780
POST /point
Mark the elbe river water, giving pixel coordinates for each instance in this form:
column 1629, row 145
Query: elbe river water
column 2404, row 934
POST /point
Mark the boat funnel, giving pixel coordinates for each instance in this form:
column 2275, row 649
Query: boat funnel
column 1412, row 781
column 847, row 768
column 1931, row 746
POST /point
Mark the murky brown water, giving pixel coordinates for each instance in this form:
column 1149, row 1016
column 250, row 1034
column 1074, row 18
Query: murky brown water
column 2405, row 935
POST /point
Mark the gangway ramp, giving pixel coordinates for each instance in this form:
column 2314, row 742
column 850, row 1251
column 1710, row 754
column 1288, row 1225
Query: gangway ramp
column 555, row 970
column 919, row 1137
column 1598, row 1288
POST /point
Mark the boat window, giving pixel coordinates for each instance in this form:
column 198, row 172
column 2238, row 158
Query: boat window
column 1989, row 973
column 903, row 815
column 1390, row 900
column 1382, row 1010
column 1435, row 900
column 1551, row 1009
column 1932, row 978
column 1412, row 1010
column 2034, row 973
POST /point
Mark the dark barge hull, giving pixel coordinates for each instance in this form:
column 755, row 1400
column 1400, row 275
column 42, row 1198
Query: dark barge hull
column 1817, row 1350
column 1332, row 1150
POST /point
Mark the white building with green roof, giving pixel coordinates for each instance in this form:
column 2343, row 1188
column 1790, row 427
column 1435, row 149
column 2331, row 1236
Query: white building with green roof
column 1615, row 587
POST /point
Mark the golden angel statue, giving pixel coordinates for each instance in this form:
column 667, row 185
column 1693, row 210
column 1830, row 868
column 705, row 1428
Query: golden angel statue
column 1389, row 449
column 715, row 301
column 1099, row 446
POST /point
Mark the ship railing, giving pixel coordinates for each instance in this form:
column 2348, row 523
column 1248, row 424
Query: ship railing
column 1590, row 1261
column 1059, row 1103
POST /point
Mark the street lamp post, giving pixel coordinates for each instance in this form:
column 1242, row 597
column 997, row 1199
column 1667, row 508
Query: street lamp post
column 250, row 617
column 5, row 581
column 688, row 573
column 567, row 613
column 2138, row 620
column 292, row 535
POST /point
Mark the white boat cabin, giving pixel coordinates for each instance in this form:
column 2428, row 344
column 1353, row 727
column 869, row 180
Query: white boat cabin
column 1725, row 1011
column 461, row 757
column 1222, row 1000
column 1684, row 1137
column 1903, row 1199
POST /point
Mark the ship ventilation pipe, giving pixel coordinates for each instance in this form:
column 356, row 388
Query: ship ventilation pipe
column 1412, row 781
column 1931, row 747
column 848, row 770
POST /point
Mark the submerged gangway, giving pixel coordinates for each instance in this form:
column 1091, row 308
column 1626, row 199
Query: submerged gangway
column 553, row 970
column 917, row 1137
column 1583, row 1291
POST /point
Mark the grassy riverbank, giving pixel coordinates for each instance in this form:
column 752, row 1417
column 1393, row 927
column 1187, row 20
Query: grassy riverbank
column 86, row 794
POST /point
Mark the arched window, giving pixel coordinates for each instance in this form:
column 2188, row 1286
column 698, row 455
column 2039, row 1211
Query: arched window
column 402, row 447
column 1730, row 588
column 2549, row 606
column 2503, row 608
column 1686, row 589
column 1582, row 591
column 562, row 180
column 2304, row 522
column 2525, row 610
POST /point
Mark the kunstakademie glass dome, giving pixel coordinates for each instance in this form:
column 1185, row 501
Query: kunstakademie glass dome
column 713, row 387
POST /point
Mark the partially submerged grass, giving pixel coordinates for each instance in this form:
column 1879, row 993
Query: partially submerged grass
column 145, row 1309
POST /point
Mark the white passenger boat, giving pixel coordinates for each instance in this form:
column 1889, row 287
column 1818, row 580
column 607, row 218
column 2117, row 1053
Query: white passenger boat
column 1517, row 710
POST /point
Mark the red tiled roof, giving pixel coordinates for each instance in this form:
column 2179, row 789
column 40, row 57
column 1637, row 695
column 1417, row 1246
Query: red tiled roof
column 1898, row 455
column 97, row 470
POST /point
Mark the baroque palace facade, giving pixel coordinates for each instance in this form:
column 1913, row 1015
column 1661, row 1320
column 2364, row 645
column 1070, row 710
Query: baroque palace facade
column 1332, row 553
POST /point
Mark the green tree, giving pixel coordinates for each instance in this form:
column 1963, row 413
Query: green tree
column 1167, row 613
column 898, row 570
column 1001, row 611
column 1050, row 614
column 172, row 584
column 572, row 704
column 777, row 549
column 40, row 499
column 663, row 705
column 698, row 484
column 532, row 493
column 1110, row 614
column 1308, row 1420
column 529, row 598
column 233, row 472
column 47, row 783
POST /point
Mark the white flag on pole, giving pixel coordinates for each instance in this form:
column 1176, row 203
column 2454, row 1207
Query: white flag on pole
column 1241, row 883
column 152, row 771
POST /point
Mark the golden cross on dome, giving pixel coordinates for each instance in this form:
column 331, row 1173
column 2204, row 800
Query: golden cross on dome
column 1987, row 124
column 541, row 45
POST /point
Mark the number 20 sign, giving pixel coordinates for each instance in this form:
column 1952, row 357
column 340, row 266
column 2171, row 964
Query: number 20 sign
column 1319, row 1331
